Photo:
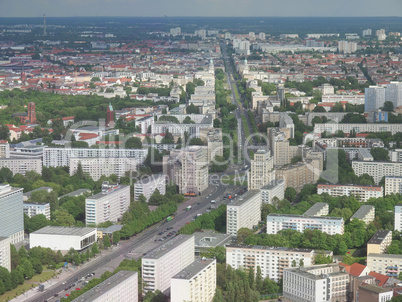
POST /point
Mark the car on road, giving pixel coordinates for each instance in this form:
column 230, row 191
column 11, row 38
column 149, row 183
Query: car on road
column 56, row 295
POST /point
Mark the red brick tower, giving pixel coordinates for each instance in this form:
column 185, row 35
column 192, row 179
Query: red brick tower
column 110, row 116
column 31, row 113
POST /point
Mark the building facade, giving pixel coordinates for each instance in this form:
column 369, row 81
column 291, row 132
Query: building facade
column 329, row 225
column 318, row 209
column 12, row 221
column 363, row 193
column 276, row 188
column 379, row 242
column 22, row 165
column 243, row 212
column 376, row 169
column 374, row 98
column 148, row 186
column 357, row 128
column 32, row 209
column 393, row 185
column 398, row 218
column 261, row 170
column 365, row 213
column 108, row 205
column 5, row 253
column 387, row 264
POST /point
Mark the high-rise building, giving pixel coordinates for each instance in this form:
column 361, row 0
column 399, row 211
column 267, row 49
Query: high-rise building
column 5, row 253
column 275, row 188
column 108, row 205
column 175, row 31
column 379, row 242
column 271, row 260
column 110, row 116
column 281, row 149
column 243, row 212
column 329, row 225
column 398, row 218
column 317, row 283
column 374, row 98
column 393, row 93
column 261, row 170
column 188, row 168
column 122, row 287
column 148, row 186
column 367, row 32
column 161, row 264
column 347, row 47
column 393, row 185
column 12, row 215
column 4, row 149
column 261, row 36
column 195, row 283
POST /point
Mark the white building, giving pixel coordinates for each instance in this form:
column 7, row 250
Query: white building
column 365, row 213
column 32, row 209
column 318, row 209
column 398, row 218
column 261, row 170
column 96, row 167
column 108, row 205
column 161, row 264
column 367, row 32
column 243, row 212
column 395, row 155
column 361, row 192
column 4, row 149
column 393, row 185
column 393, row 93
column 374, row 98
column 195, row 283
column 275, row 188
column 271, row 260
column 347, row 47
column 377, row 169
column 60, row 157
column 148, row 186
column 12, row 215
column 5, row 253
column 122, row 287
column 329, row 225
column 387, row 264
column 63, row 238
column 318, row 283
column 22, row 165
column 357, row 128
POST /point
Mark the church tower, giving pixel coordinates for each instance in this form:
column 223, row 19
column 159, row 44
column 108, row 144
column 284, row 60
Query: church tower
column 110, row 116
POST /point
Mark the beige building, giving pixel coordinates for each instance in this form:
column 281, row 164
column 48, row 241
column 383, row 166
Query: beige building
column 271, row 260
column 5, row 253
column 280, row 148
column 161, row 264
column 393, row 185
column 379, row 242
column 365, row 213
column 261, row 170
column 213, row 138
column 195, row 283
column 22, row 165
column 387, row 264
column 96, row 167
column 188, row 168
column 243, row 212
column 318, row 283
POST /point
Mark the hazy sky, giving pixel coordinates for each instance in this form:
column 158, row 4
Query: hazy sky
column 280, row 8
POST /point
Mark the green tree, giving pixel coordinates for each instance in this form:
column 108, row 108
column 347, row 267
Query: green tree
column 342, row 248
column 106, row 241
column 379, row 154
column 388, row 106
column 95, row 79
column 23, row 254
column 15, row 257
column 192, row 109
column 95, row 249
column 4, row 132
column 133, row 143
column 258, row 279
column 290, row 194
column 6, row 175
column 35, row 223
column 63, row 218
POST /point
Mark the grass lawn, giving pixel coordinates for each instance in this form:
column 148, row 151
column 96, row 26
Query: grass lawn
column 246, row 129
column 45, row 275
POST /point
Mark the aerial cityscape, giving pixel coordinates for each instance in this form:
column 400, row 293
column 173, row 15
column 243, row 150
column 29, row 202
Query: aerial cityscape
column 200, row 151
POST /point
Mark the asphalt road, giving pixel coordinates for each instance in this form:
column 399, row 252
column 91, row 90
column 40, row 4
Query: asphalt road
column 143, row 242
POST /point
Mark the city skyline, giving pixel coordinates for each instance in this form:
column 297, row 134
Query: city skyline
column 206, row 8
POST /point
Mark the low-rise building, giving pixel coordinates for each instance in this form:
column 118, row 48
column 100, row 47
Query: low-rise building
column 329, row 225
column 365, row 213
column 63, row 238
column 34, row 208
column 148, row 186
column 195, row 283
column 379, row 242
column 243, row 212
column 5, row 253
column 276, row 188
column 122, row 287
column 393, row 185
column 326, row 282
column 318, row 209
column 271, row 260
column 27, row 195
column 361, row 192
column 161, row 264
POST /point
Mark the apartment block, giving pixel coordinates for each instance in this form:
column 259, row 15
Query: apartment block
column 398, row 218
column 376, row 169
column 276, row 188
column 261, row 170
column 361, row 192
column 357, row 128
column 387, row 264
column 60, row 157
column 271, row 260
column 22, row 165
column 374, row 98
column 347, row 47
column 318, row 209
column 161, row 264
column 393, row 185
column 280, row 147
column 96, row 167
column 122, row 287
column 4, row 149
column 326, row 282
column 108, row 205
column 243, row 212
column 195, row 283
column 369, row 293
column 213, row 138
column 32, row 209
column 12, row 221
column 395, row 155
column 393, row 93
column 379, row 242
column 329, row 225
column 148, row 186
column 5, row 253
column 188, row 168
column 365, row 213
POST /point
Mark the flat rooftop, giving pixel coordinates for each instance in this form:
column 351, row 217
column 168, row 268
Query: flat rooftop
column 102, row 288
column 62, row 230
column 303, row 216
column 103, row 194
column 244, row 198
column 193, row 269
column 167, row 247
column 76, row 193
column 270, row 248
column 272, row 184
column 209, row 239
column 379, row 237
column 376, row 289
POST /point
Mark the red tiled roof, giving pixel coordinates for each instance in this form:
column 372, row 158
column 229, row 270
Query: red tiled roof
column 84, row 136
column 379, row 277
